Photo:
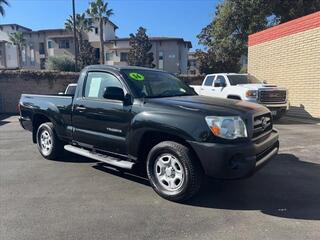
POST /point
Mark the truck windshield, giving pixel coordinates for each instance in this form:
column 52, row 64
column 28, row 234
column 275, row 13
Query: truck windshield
column 155, row 84
column 242, row 79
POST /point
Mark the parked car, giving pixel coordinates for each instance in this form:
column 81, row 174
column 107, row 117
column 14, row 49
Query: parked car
column 70, row 90
column 125, row 116
column 245, row 87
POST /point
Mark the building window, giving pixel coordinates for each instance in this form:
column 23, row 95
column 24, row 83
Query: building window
column 42, row 63
column 23, row 55
column 96, row 30
column 32, row 55
column 64, row 44
column 160, row 62
column 97, row 53
column 41, row 48
column 109, row 56
column 49, row 44
column 123, row 57
column 172, row 56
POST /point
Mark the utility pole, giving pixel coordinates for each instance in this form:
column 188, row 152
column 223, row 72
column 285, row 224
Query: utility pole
column 75, row 38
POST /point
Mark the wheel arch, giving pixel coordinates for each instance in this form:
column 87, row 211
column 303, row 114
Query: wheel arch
column 37, row 120
column 153, row 137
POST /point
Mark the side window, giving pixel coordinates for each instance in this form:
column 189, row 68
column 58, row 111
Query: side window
column 97, row 82
column 209, row 81
column 220, row 81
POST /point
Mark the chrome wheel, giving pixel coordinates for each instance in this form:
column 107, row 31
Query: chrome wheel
column 45, row 142
column 169, row 172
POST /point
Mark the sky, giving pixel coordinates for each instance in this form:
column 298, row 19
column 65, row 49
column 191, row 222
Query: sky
column 172, row 18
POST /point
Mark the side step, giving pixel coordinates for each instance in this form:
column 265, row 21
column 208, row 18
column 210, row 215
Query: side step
column 99, row 157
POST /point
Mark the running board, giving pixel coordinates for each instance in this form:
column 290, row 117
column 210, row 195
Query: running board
column 99, row 157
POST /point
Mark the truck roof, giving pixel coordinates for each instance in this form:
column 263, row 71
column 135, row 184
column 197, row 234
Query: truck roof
column 226, row 74
column 118, row 68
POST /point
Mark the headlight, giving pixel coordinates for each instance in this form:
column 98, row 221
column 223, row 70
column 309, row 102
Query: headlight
column 231, row 127
column 252, row 93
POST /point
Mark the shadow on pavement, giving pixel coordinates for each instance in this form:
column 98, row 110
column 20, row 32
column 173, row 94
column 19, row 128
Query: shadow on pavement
column 74, row 158
column 296, row 121
column 3, row 122
column 287, row 187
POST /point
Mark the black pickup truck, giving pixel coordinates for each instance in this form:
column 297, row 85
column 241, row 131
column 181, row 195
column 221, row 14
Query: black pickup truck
column 125, row 116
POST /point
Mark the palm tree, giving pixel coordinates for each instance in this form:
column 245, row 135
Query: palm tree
column 18, row 40
column 99, row 12
column 83, row 25
column 3, row 2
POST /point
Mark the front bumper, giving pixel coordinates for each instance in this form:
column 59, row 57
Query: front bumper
column 234, row 161
column 25, row 123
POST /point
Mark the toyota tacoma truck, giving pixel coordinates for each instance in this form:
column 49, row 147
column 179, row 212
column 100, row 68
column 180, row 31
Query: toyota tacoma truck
column 131, row 116
column 245, row 87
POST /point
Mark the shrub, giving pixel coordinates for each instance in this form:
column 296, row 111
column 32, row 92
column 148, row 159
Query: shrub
column 61, row 63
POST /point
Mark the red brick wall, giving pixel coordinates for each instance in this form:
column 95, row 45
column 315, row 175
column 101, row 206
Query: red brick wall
column 295, row 26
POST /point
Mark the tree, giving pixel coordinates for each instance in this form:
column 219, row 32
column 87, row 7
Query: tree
column 2, row 3
column 18, row 39
column 227, row 35
column 86, row 51
column 139, row 54
column 209, row 64
column 99, row 11
column 286, row 10
column 83, row 25
column 87, row 55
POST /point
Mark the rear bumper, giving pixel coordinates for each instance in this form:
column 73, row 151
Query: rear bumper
column 234, row 161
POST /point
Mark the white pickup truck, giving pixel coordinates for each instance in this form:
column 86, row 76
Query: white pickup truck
column 245, row 87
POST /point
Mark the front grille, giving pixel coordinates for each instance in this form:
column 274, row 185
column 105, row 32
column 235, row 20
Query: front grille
column 261, row 125
column 272, row 96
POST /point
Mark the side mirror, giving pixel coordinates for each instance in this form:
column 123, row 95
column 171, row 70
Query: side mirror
column 264, row 82
column 114, row 93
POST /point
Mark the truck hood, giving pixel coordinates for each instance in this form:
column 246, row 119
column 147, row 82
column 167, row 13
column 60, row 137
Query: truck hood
column 256, row 86
column 208, row 105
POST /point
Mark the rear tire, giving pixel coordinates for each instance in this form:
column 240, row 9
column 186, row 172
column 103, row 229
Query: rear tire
column 173, row 171
column 48, row 143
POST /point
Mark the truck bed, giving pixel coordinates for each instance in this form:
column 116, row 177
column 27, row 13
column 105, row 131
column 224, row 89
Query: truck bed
column 57, row 107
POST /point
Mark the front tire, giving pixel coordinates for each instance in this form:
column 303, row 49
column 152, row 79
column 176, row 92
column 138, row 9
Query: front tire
column 48, row 143
column 173, row 171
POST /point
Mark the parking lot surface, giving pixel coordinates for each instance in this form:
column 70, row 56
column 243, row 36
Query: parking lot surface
column 76, row 198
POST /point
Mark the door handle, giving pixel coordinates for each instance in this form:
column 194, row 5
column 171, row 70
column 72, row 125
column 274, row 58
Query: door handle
column 80, row 108
column 212, row 89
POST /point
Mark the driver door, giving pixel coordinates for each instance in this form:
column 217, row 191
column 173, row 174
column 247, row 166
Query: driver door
column 207, row 87
column 101, row 123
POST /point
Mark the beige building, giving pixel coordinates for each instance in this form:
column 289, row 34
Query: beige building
column 289, row 55
column 170, row 54
column 42, row 44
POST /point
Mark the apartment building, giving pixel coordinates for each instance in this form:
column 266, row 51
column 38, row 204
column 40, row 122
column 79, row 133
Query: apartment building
column 42, row 44
column 170, row 54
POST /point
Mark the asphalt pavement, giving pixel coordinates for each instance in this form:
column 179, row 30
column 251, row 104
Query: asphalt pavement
column 77, row 198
